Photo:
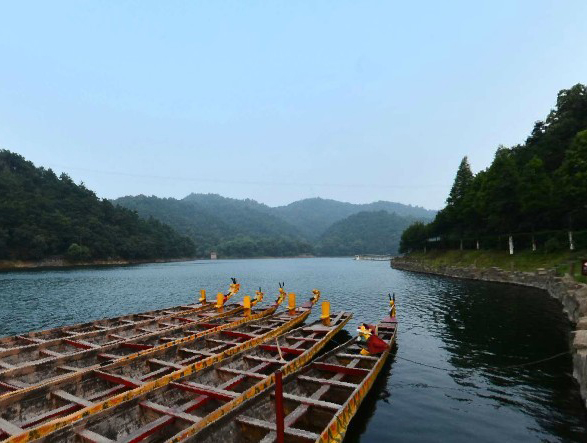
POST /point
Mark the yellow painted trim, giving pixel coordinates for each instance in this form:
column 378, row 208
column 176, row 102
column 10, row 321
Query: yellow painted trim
column 290, row 368
column 52, row 426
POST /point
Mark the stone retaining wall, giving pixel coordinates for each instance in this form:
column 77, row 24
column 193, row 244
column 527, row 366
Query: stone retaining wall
column 572, row 295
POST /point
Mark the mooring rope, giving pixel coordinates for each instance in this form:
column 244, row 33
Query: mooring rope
column 520, row 365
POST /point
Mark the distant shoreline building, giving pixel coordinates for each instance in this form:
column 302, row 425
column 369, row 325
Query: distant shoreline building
column 213, row 255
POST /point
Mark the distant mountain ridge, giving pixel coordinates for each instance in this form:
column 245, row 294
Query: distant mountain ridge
column 378, row 232
column 244, row 228
column 313, row 216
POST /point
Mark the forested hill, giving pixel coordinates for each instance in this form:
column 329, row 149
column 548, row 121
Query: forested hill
column 42, row 216
column 246, row 228
column 366, row 232
column 234, row 228
column 535, row 192
column 313, row 216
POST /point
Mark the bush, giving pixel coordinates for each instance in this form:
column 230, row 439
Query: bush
column 552, row 244
column 76, row 252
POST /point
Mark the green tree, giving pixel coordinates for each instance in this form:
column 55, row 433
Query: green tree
column 414, row 237
column 77, row 252
column 455, row 208
column 535, row 196
column 572, row 182
column 501, row 190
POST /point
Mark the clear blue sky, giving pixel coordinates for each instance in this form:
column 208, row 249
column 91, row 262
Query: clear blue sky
column 278, row 101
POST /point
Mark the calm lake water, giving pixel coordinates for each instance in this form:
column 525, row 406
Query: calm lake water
column 473, row 330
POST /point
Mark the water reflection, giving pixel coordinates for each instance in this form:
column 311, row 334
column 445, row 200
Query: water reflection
column 471, row 329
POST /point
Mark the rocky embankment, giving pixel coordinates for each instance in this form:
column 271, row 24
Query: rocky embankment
column 572, row 295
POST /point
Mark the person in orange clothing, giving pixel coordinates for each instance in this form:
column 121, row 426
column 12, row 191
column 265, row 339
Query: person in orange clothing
column 368, row 337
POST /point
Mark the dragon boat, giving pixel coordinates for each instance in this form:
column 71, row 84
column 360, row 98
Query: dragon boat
column 315, row 404
column 33, row 413
column 22, row 350
column 205, row 396
column 190, row 327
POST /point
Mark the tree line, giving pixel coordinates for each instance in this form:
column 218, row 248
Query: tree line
column 43, row 215
column 528, row 190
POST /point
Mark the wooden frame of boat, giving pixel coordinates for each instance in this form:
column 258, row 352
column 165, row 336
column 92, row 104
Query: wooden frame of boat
column 318, row 402
column 21, row 428
column 38, row 373
column 101, row 339
column 160, row 413
column 34, row 407
column 82, row 330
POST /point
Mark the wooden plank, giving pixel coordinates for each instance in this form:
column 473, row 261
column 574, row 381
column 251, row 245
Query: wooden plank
column 6, row 365
column 245, row 373
column 207, row 325
column 92, row 437
column 119, row 379
column 169, row 411
column 13, row 382
column 360, row 357
column 239, row 334
column 185, row 320
column 272, row 361
column 108, row 356
column 167, row 339
column 8, row 387
column 165, row 363
column 116, row 337
column 30, row 339
column 311, row 402
column 82, row 344
column 147, row 430
column 136, row 346
column 70, row 368
column 63, row 410
column 223, row 342
column 72, row 398
column 9, row 428
column 156, row 374
column 263, row 424
column 197, row 352
column 340, row 369
column 313, row 340
column 50, row 353
column 336, row 319
column 284, row 349
column 108, row 392
column 220, row 394
column 326, row 381
column 298, row 412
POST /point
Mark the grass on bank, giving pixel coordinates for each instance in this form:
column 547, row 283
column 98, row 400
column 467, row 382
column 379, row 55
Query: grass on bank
column 564, row 262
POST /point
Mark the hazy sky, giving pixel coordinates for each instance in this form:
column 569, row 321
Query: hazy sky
column 278, row 101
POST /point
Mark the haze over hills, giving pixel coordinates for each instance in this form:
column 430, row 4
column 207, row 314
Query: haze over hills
column 248, row 228
column 45, row 216
column 377, row 232
column 313, row 216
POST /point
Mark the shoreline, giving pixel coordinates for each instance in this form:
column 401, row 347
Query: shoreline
column 61, row 263
column 571, row 294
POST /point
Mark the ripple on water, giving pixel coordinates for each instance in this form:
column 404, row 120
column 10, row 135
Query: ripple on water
column 473, row 329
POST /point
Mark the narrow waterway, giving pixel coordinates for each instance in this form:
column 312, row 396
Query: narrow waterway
column 469, row 333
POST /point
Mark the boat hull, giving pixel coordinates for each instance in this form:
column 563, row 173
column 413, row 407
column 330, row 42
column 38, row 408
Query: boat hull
column 99, row 407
